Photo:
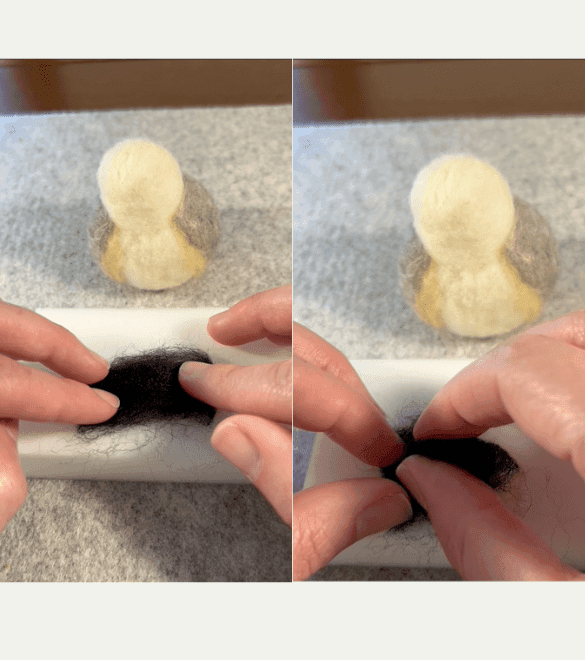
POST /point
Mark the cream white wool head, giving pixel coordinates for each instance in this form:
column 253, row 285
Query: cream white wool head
column 140, row 184
column 462, row 208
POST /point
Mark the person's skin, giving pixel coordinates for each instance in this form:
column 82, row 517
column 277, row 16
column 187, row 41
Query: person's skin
column 536, row 380
column 328, row 397
column 33, row 395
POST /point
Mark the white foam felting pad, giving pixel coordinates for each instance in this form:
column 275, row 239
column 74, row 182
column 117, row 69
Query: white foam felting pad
column 178, row 451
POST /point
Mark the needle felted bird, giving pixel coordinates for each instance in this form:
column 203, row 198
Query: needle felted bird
column 156, row 227
column 481, row 262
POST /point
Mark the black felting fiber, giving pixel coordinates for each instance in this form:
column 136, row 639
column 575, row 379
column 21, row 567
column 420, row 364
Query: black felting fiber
column 484, row 460
column 149, row 390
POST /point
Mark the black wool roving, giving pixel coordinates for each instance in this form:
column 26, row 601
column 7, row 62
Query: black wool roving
column 484, row 460
column 149, row 391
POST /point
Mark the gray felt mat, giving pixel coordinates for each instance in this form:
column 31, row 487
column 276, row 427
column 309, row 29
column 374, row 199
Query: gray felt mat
column 104, row 531
column 351, row 221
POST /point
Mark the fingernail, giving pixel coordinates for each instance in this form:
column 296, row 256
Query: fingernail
column 239, row 449
column 108, row 397
column 422, row 426
column 193, row 370
column 411, row 473
column 384, row 513
column 100, row 359
column 217, row 320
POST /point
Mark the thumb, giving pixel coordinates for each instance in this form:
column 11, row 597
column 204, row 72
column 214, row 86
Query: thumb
column 331, row 517
column 13, row 487
column 481, row 538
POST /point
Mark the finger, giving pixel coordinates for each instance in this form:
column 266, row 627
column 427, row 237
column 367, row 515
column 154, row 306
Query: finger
column 481, row 538
column 352, row 419
column 267, row 314
column 536, row 382
column 25, row 335
column 261, row 450
column 315, row 350
column 264, row 390
column 34, row 395
column 440, row 416
column 331, row 517
column 12, row 481
column 569, row 328
column 469, row 403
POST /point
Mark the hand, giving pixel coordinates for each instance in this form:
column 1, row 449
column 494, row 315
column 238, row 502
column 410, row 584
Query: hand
column 536, row 380
column 34, row 395
column 254, row 440
column 330, row 397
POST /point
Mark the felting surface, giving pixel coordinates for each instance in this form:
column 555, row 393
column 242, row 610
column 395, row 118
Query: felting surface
column 352, row 221
column 127, row 531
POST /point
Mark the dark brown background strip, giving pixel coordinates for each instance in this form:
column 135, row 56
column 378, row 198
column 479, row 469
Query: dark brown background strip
column 333, row 90
column 58, row 85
